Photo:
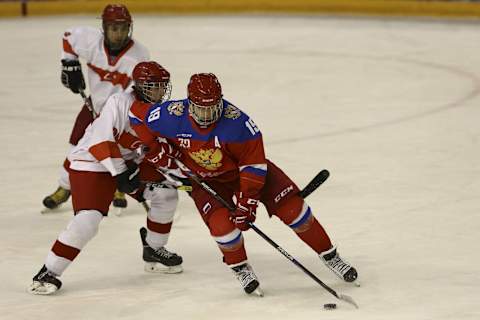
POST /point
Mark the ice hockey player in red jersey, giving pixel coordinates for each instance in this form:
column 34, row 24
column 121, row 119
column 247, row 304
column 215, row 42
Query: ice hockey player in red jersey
column 107, row 158
column 224, row 146
column 110, row 56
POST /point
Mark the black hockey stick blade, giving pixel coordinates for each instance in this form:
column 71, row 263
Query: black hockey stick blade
column 316, row 182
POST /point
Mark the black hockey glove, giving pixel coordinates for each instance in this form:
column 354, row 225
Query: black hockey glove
column 72, row 76
column 129, row 181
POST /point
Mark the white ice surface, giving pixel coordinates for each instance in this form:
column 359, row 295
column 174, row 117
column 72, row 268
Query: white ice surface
column 391, row 108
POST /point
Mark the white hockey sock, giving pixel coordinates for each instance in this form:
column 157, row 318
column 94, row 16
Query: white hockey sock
column 81, row 229
column 163, row 203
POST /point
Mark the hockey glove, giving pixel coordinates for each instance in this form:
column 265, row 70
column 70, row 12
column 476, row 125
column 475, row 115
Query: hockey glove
column 72, row 76
column 245, row 212
column 129, row 180
column 162, row 156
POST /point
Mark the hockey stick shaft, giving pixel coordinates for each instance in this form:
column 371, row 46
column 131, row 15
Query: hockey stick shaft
column 88, row 103
column 316, row 182
column 230, row 207
column 155, row 184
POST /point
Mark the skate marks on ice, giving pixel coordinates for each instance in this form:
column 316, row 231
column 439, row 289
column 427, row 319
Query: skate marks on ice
column 449, row 70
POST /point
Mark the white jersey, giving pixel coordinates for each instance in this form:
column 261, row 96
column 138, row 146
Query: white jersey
column 106, row 75
column 109, row 140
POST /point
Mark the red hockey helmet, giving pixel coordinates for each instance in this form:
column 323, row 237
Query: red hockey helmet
column 116, row 13
column 152, row 82
column 117, row 26
column 205, row 98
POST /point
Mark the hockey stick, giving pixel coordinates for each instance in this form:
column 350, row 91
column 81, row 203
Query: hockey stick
column 88, row 103
column 227, row 205
column 154, row 184
column 316, row 182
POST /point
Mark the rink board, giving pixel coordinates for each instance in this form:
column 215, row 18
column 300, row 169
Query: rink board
column 357, row 7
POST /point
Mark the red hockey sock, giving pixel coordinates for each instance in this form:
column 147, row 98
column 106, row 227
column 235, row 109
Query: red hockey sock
column 297, row 215
column 316, row 237
column 229, row 239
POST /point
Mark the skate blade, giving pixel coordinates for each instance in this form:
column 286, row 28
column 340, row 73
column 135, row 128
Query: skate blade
column 155, row 267
column 258, row 292
column 118, row 211
column 39, row 288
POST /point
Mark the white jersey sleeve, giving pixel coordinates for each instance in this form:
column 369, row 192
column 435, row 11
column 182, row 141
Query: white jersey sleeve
column 79, row 42
column 108, row 140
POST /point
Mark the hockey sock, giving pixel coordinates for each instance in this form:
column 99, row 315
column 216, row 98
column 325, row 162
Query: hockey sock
column 298, row 216
column 229, row 239
column 163, row 203
column 158, row 233
column 81, row 229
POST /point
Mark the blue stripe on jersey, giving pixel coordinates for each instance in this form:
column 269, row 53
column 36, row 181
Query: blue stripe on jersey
column 227, row 130
column 306, row 215
column 255, row 171
column 134, row 121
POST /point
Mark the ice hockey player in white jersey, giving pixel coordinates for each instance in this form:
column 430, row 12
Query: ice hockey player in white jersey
column 106, row 158
column 110, row 56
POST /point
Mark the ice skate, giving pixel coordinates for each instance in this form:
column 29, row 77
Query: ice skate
column 248, row 279
column 44, row 283
column 159, row 260
column 119, row 202
column 340, row 267
column 54, row 200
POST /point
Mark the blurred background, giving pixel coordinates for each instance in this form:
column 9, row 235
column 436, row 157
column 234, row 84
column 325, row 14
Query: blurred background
column 450, row 8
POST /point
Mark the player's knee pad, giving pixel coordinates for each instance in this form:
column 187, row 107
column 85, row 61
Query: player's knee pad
column 296, row 214
column 162, row 199
column 82, row 228
column 163, row 203
column 223, row 230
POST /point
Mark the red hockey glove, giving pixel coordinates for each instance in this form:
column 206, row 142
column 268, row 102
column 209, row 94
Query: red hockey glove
column 245, row 212
column 162, row 156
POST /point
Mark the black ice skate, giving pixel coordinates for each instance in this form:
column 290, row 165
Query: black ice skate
column 159, row 260
column 54, row 200
column 340, row 267
column 44, row 283
column 248, row 279
column 119, row 203
column 119, row 200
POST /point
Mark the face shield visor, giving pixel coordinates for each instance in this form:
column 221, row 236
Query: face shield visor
column 205, row 115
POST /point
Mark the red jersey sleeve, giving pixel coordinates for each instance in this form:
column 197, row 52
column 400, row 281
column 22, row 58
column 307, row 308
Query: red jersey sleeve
column 252, row 165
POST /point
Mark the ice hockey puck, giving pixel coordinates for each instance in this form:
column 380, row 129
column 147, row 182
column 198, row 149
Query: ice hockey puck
column 330, row 306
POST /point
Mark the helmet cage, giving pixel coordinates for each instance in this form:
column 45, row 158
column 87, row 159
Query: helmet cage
column 148, row 90
column 127, row 39
column 205, row 115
